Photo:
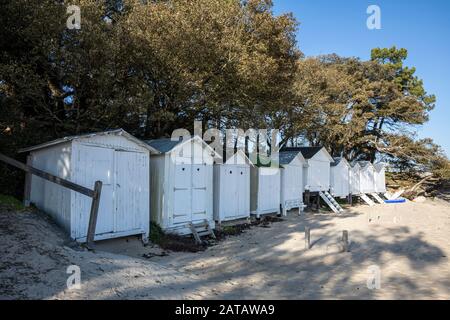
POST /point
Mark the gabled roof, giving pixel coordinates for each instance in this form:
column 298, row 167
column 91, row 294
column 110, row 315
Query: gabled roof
column 308, row 152
column 230, row 153
column 380, row 165
column 166, row 145
column 117, row 132
column 163, row 145
column 355, row 164
column 338, row 160
column 263, row 160
column 364, row 164
column 286, row 157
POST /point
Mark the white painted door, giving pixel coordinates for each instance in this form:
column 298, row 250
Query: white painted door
column 269, row 189
column 292, row 184
column 319, row 174
column 230, row 184
column 182, row 193
column 199, row 186
column 95, row 164
column 345, row 182
column 243, row 187
column 355, row 181
column 132, row 193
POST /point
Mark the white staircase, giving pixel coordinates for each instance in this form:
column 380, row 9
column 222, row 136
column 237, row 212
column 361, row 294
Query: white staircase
column 366, row 199
column 394, row 196
column 200, row 230
column 377, row 197
column 329, row 200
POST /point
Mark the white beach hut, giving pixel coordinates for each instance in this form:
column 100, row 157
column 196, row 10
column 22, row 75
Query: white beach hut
column 355, row 179
column 380, row 178
column 265, row 187
column 232, row 188
column 340, row 178
column 362, row 181
column 367, row 177
column 316, row 174
column 116, row 158
column 182, row 183
column 292, row 164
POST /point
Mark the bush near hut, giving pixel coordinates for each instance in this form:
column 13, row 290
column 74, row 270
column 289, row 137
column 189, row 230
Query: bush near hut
column 10, row 203
column 173, row 242
column 228, row 231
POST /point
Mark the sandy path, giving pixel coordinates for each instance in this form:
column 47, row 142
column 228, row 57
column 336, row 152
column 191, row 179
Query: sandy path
column 35, row 254
column 409, row 243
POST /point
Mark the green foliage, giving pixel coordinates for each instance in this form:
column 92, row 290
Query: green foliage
column 172, row 242
column 363, row 109
column 441, row 168
column 10, row 202
column 150, row 68
column 155, row 66
column 156, row 233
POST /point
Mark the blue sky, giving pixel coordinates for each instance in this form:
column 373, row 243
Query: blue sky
column 422, row 27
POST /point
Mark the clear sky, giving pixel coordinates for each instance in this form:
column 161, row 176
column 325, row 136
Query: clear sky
column 422, row 27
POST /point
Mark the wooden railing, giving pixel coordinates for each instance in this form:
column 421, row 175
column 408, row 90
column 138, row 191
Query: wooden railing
column 94, row 194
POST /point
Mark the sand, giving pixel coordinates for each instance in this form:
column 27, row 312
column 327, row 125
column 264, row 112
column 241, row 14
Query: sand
column 408, row 243
column 35, row 255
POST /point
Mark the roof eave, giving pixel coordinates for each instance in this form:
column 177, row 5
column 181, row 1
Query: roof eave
column 119, row 132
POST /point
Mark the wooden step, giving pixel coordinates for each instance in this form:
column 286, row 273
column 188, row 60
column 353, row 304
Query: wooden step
column 367, row 199
column 377, row 198
column 200, row 230
column 328, row 202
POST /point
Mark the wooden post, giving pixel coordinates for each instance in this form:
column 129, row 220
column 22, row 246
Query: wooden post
column 94, row 213
column 302, row 208
column 307, row 199
column 307, row 238
column 27, row 187
column 317, row 203
column 345, row 240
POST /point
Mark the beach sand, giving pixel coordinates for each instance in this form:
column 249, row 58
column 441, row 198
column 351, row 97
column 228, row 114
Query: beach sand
column 408, row 243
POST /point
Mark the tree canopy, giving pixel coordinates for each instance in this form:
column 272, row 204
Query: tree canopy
column 154, row 66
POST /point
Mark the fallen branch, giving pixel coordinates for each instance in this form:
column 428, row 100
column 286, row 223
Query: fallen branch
column 421, row 182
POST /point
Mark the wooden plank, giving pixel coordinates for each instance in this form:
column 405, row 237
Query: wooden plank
column 94, row 194
column 210, row 230
column 195, row 234
column 47, row 176
column 27, row 186
column 94, row 213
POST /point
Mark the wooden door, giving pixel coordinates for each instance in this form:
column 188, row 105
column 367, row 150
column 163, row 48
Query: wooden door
column 243, row 187
column 95, row 164
column 131, row 191
column 199, row 191
column 182, row 193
